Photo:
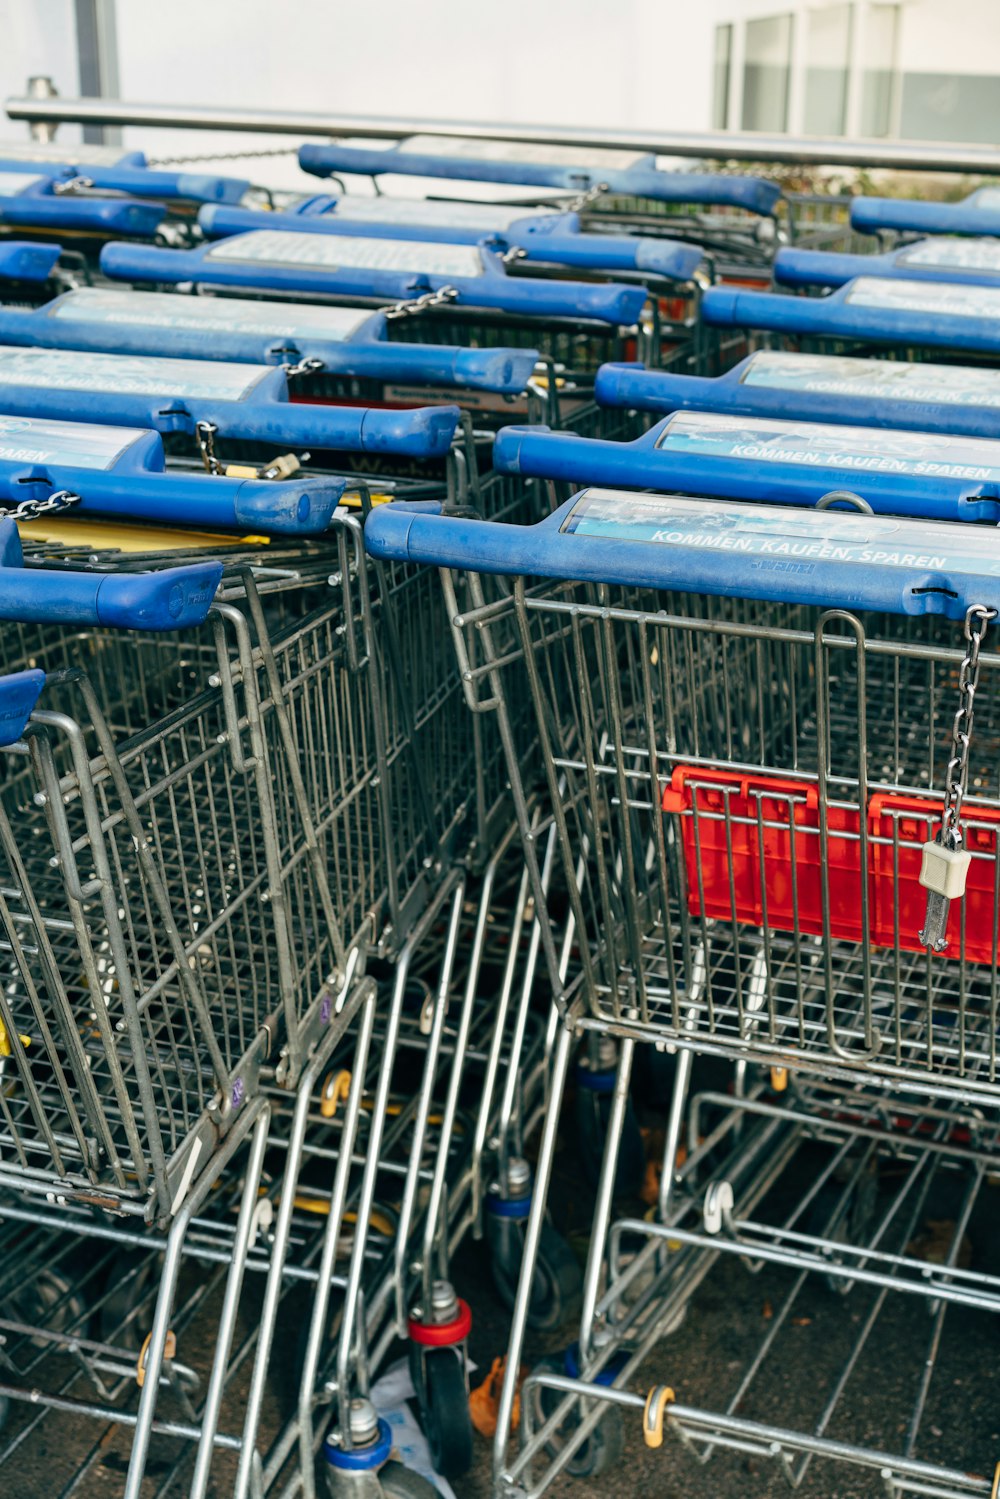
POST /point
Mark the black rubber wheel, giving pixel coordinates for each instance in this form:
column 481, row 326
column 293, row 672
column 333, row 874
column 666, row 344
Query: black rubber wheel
column 557, row 1283
column 444, row 1411
column 852, row 1227
column 599, row 1451
column 593, row 1110
column 132, row 1283
column 402, row 1483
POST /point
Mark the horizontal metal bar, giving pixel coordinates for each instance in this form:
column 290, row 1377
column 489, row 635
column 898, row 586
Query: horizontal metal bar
column 918, row 156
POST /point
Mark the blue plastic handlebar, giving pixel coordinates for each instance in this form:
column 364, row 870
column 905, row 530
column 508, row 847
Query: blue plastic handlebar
column 634, row 388
column 171, row 599
column 608, row 303
column 23, row 260
column 906, row 216
column 834, row 316
column 82, row 215
column 818, row 268
column 18, row 695
column 856, row 561
column 642, row 180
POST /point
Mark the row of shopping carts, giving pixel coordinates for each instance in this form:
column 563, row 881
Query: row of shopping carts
column 361, row 775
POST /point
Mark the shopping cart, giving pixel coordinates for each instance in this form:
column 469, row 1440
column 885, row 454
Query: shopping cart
column 746, row 716
column 960, row 399
column 727, row 214
column 362, row 267
column 337, row 340
column 553, row 240
column 208, row 401
column 86, row 167
column 366, row 815
column 56, row 466
column 458, row 295
column 934, row 475
column 946, row 259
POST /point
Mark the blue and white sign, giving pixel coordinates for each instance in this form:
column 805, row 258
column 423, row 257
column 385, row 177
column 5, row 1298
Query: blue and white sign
column 889, row 379
column 209, row 314
column 486, row 217
column 943, row 297
column 127, row 374
column 26, row 439
column 13, row 184
column 951, row 252
column 818, row 445
column 275, row 247
column 803, row 538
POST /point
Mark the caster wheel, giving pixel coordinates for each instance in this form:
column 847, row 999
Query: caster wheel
column 402, row 1483
column 852, row 1226
column 593, row 1110
column 130, row 1293
column 601, row 1450
column 444, row 1408
column 557, row 1283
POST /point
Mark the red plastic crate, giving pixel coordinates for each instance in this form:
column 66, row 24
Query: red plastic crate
column 770, row 819
column 897, row 875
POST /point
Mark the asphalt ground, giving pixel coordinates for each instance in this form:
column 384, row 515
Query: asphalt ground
column 735, row 1310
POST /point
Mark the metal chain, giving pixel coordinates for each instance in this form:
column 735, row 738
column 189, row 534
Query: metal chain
column 205, row 437
column 61, row 499
column 583, row 200
column 78, row 184
column 308, row 366
column 178, row 161
column 440, row 298
column 977, row 620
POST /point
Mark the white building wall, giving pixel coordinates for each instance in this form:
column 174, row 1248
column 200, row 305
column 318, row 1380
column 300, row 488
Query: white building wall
column 570, row 62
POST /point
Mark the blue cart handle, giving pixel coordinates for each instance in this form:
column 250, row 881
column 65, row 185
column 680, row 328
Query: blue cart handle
column 753, row 194
column 23, row 260
column 611, row 303
column 418, row 432
column 861, row 562
column 172, row 599
column 634, row 388
column 504, row 371
column 672, row 259
column 83, row 215
column 872, row 214
column 835, row 316
column 192, row 187
column 18, row 695
column 821, row 268
column 302, row 507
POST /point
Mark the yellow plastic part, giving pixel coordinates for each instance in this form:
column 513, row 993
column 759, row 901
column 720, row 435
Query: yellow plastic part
column 169, row 1350
column 98, row 535
column 353, row 501
column 242, row 471
column 779, row 1079
column 659, row 1397
column 5, row 1041
column 995, row 1490
column 336, row 1090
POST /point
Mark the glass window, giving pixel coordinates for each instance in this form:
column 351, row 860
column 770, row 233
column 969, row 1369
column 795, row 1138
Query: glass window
column 765, row 73
column 879, row 70
column 828, row 54
column 720, row 84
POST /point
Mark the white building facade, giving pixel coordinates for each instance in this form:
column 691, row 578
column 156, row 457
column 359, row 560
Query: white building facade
column 907, row 69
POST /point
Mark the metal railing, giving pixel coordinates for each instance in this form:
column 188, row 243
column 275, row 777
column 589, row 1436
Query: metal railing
column 43, row 114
